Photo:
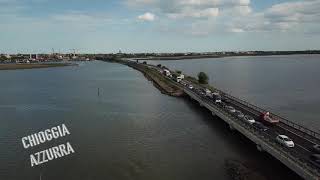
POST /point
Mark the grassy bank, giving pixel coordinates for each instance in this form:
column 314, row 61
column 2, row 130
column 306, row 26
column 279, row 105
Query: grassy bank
column 32, row 66
column 162, row 83
column 165, row 85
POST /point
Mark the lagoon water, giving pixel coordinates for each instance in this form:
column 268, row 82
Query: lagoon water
column 286, row 85
column 123, row 128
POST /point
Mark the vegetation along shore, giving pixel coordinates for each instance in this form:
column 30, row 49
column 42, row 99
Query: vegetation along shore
column 32, row 66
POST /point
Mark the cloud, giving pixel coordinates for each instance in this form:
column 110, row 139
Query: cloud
column 298, row 16
column 201, row 17
column 189, row 8
column 205, row 13
column 147, row 17
column 236, row 30
column 300, row 11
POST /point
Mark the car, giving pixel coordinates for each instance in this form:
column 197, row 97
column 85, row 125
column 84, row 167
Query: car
column 239, row 114
column 249, row 119
column 199, row 91
column 216, row 98
column 226, row 100
column 230, row 109
column 316, row 148
column 215, row 93
column 202, row 90
column 285, row 141
column 190, row 86
column 268, row 118
column 222, row 104
column 315, row 160
column 260, row 126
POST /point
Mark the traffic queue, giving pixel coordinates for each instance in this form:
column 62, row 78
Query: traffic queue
column 263, row 123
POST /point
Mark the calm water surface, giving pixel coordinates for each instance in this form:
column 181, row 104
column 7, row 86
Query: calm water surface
column 130, row 130
column 287, row 85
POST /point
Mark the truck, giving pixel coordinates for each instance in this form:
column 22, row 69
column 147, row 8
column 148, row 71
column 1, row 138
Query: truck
column 269, row 119
column 166, row 72
column 178, row 77
column 208, row 93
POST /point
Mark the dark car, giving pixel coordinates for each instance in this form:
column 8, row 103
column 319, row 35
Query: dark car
column 225, row 99
column 239, row 114
column 230, row 109
column 222, row 104
column 315, row 159
column 260, row 126
column 316, row 149
column 202, row 93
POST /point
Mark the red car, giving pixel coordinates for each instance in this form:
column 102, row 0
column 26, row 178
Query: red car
column 267, row 118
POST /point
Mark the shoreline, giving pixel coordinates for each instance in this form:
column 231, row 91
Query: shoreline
column 162, row 84
column 180, row 58
column 33, row 66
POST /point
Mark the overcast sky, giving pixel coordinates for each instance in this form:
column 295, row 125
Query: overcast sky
column 158, row 25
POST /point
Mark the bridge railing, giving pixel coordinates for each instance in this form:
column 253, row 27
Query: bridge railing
column 283, row 120
column 290, row 155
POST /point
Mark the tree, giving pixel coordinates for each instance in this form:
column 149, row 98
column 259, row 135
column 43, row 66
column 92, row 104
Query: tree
column 3, row 58
column 203, row 78
column 159, row 65
column 144, row 62
column 178, row 71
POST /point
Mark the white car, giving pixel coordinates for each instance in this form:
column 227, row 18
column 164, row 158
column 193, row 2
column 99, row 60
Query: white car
column 249, row 119
column 230, row 109
column 285, row 140
column 208, row 91
column 190, row 86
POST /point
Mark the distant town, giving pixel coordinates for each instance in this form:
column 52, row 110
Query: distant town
column 62, row 57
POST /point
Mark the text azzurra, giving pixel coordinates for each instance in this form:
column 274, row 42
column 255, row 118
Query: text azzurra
column 45, row 136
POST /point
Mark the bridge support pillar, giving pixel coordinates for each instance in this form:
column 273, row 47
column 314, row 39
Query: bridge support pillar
column 259, row 148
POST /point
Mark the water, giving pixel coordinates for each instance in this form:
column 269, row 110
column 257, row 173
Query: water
column 286, row 85
column 127, row 131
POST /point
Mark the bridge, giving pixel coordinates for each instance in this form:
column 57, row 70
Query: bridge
column 297, row 158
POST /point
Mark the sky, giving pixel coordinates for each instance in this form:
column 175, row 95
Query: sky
column 133, row 26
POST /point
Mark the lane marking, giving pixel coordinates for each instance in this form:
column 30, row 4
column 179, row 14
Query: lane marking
column 303, row 148
column 297, row 135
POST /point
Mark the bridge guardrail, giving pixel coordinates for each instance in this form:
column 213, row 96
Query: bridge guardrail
column 270, row 140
